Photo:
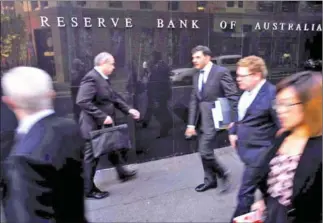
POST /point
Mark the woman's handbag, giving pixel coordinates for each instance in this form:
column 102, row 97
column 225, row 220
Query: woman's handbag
column 110, row 139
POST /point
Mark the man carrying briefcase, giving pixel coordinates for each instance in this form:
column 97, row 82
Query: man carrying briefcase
column 98, row 101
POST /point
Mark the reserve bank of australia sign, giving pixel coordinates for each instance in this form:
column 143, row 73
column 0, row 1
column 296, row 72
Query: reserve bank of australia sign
column 127, row 22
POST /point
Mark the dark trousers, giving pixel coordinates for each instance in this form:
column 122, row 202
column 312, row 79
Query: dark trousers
column 212, row 168
column 90, row 164
column 246, row 195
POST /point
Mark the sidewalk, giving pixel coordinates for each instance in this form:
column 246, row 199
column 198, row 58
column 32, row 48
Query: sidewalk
column 164, row 192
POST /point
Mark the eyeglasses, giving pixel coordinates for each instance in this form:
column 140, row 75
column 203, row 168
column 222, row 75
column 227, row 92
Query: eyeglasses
column 286, row 106
column 243, row 76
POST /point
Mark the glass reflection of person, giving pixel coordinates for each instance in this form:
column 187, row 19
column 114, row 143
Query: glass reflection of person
column 291, row 173
column 159, row 92
column 77, row 73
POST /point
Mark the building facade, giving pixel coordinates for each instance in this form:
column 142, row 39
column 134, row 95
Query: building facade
column 62, row 37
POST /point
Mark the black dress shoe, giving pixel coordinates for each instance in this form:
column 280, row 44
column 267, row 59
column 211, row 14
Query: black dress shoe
column 97, row 195
column 128, row 176
column 204, row 187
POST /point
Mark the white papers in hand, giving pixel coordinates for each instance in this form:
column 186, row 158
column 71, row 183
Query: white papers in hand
column 217, row 114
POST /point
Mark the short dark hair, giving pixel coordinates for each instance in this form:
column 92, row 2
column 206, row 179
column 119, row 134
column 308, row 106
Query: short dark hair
column 205, row 50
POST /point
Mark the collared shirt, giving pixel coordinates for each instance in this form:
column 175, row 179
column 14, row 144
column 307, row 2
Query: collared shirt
column 247, row 98
column 205, row 75
column 98, row 70
column 28, row 122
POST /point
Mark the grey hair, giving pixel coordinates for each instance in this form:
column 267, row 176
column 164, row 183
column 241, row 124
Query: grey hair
column 29, row 88
column 102, row 58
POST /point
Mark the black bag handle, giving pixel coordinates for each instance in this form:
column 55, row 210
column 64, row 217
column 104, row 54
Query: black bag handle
column 103, row 126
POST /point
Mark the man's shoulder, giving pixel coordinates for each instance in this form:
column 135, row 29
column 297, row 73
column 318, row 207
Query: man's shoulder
column 63, row 125
column 91, row 75
column 271, row 89
column 219, row 69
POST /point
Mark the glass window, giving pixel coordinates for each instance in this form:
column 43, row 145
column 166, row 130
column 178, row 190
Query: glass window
column 34, row 5
column 146, row 5
column 173, row 5
column 201, row 5
column 43, row 4
column 240, row 4
column 290, row 6
column 266, row 6
column 81, row 3
column 8, row 4
column 115, row 4
column 230, row 4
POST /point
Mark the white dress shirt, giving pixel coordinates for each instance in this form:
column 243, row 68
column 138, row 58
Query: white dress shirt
column 247, row 98
column 205, row 75
column 28, row 122
column 98, row 70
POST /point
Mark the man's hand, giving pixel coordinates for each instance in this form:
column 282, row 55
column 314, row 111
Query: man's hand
column 134, row 113
column 190, row 132
column 259, row 207
column 108, row 121
column 233, row 140
column 231, row 125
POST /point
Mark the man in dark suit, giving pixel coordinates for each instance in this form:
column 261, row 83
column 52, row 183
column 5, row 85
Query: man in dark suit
column 43, row 172
column 257, row 125
column 210, row 83
column 98, row 101
column 8, row 125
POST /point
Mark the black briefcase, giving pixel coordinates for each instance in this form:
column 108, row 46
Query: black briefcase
column 109, row 139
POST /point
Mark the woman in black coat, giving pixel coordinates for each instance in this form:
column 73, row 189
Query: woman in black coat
column 291, row 177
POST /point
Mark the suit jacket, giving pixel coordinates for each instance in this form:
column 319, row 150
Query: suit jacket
column 219, row 84
column 307, row 182
column 8, row 124
column 43, row 180
column 97, row 100
column 258, row 128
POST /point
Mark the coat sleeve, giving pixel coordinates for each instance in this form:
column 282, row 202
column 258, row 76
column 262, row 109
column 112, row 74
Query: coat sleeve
column 120, row 103
column 231, row 93
column 85, row 98
column 192, row 115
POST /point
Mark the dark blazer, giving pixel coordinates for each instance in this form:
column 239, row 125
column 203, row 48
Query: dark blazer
column 97, row 100
column 307, row 184
column 218, row 84
column 258, row 128
column 43, row 179
column 8, row 124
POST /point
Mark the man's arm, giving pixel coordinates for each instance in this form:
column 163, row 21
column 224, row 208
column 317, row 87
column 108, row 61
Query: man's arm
column 192, row 112
column 231, row 93
column 29, row 190
column 120, row 103
column 85, row 98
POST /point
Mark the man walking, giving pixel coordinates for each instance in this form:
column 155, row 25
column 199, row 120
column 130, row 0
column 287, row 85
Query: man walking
column 257, row 125
column 210, row 83
column 98, row 101
column 43, row 172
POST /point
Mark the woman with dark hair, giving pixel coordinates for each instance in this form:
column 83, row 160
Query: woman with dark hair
column 291, row 177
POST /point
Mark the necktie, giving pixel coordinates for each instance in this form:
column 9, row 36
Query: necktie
column 202, row 82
